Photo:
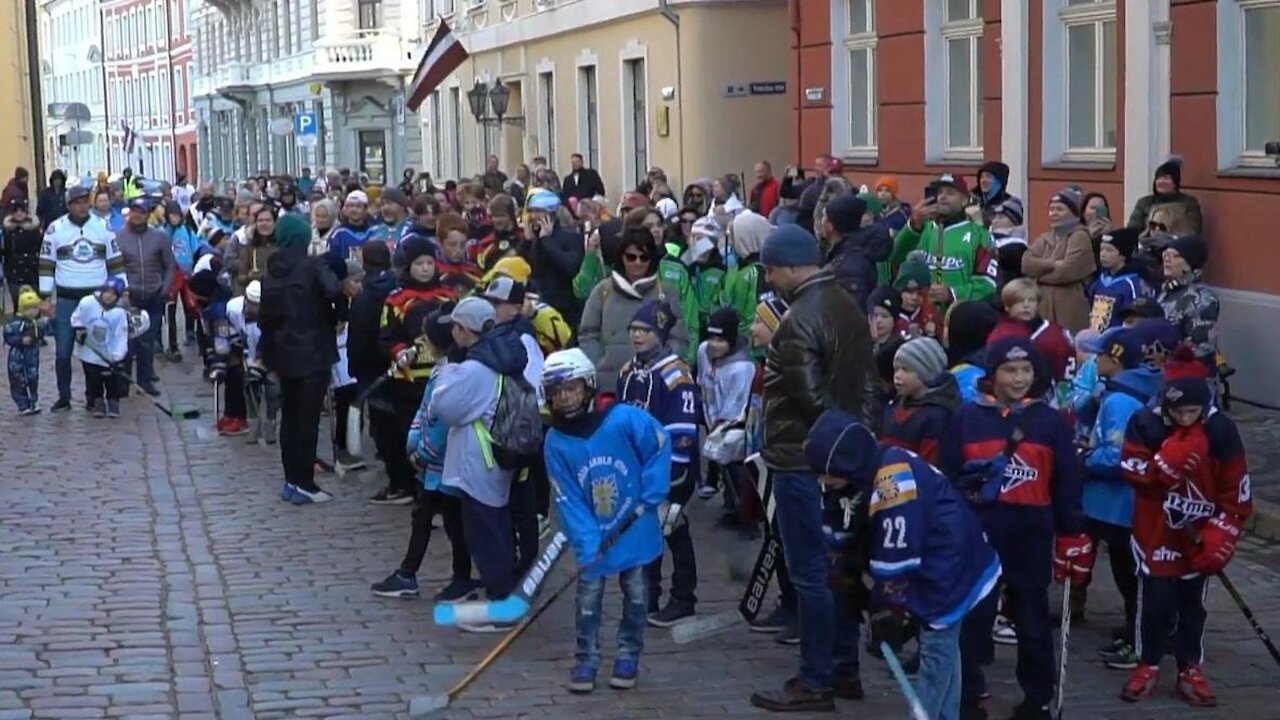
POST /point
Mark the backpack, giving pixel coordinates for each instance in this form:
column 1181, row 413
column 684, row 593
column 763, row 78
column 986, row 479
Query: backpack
column 516, row 432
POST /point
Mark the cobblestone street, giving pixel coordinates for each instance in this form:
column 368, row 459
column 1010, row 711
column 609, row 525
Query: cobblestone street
column 151, row 571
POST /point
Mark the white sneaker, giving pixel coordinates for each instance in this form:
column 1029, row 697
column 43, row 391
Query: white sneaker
column 302, row 497
column 1004, row 633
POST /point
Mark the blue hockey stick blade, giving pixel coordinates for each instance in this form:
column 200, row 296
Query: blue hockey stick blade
column 477, row 612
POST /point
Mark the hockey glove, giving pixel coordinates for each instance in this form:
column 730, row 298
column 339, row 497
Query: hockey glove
column 887, row 626
column 218, row 371
column 405, row 357
column 1181, row 454
column 670, row 515
column 80, row 335
column 1073, row 557
column 1218, row 540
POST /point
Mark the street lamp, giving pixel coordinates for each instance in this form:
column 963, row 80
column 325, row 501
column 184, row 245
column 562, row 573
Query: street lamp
column 483, row 99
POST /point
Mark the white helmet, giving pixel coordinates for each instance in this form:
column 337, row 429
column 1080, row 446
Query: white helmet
column 566, row 366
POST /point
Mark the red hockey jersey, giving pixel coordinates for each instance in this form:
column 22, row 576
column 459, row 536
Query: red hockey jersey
column 1165, row 519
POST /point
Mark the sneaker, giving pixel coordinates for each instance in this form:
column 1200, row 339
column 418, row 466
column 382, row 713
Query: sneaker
column 1141, row 683
column 706, row 492
column 149, row 388
column 99, row 408
column 173, row 356
column 673, row 613
column 309, row 497
column 392, row 497
column 270, row 431
column 544, row 527
column 1117, row 642
column 1004, row 633
column 348, row 461
column 459, row 590
column 234, row 426
column 487, row 627
column 790, row 634
column 775, row 622
column 625, row 672
column 1025, row 711
column 113, row 408
column 62, row 405
column 286, row 492
column 34, row 410
column 582, row 679
column 396, row 585
column 1194, row 688
column 1122, row 658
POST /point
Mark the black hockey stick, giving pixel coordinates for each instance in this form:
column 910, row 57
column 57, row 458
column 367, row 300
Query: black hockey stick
column 184, row 415
column 1240, row 603
column 1065, row 632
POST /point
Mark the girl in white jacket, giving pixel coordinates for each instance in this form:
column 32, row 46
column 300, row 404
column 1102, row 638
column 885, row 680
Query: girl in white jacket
column 725, row 372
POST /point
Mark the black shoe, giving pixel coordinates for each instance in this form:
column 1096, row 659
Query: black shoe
column 848, row 688
column 972, row 709
column 673, row 613
column 774, row 622
column 392, row 497
column 173, row 356
column 63, row 405
column 790, row 635
column 794, row 697
column 1025, row 711
column 459, row 590
column 149, row 389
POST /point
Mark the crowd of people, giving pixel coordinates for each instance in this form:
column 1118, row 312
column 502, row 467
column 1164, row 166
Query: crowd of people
column 949, row 411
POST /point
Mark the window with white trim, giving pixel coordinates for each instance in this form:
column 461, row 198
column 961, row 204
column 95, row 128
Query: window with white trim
column 588, row 115
column 854, row 102
column 547, row 119
column 1081, row 100
column 953, row 80
column 1248, row 89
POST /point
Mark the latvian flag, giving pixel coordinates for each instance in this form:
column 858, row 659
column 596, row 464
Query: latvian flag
column 444, row 55
column 130, row 137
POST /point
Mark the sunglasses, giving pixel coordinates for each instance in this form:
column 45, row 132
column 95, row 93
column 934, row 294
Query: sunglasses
column 1157, row 227
column 635, row 257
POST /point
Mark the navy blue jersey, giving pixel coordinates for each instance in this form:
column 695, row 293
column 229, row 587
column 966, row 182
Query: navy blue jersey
column 665, row 388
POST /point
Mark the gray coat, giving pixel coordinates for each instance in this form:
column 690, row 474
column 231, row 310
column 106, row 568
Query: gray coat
column 148, row 262
column 603, row 334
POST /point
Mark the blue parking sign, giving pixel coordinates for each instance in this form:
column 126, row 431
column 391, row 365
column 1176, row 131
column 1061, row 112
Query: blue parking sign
column 304, row 123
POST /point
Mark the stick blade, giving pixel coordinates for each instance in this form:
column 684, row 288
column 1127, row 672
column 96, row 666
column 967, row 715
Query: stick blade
column 424, row 706
column 695, row 630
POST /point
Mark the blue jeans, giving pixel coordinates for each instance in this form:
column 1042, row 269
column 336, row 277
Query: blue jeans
column 64, row 343
column 828, row 629
column 588, row 615
column 939, row 682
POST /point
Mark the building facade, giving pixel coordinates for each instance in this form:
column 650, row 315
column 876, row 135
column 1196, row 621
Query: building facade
column 1094, row 92
column 696, row 87
column 151, row 125
column 18, row 139
column 72, row 71
column 264, row 65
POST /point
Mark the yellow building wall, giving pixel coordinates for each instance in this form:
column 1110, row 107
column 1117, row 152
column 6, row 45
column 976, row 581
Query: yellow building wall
column 16, row 140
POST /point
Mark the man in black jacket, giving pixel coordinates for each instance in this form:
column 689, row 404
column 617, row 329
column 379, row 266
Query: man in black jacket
column 581, row 182
column 817, row 361
column 365, row 360
column 854, row 249
column 302, row 303
column 52, row 202
column 555, row 253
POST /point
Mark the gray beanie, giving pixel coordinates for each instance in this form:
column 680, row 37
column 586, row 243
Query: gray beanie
column 790, row 246
column 922, row 356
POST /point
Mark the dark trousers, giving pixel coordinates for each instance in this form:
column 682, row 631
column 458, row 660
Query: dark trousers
column 524, row 522
column 390, row 440
column 100, row 382
column 301, row 400
column 142, row 349
column 1171, row 604
column 537, row 474
column 684, row 568
column 24, row 375
column 233, row 403
column 489, row 537
column 1124, row 568
column 342, row 399
column 427, row 504
column 976, row 646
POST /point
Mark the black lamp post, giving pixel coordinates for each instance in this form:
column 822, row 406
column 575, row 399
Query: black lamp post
column 483, row 99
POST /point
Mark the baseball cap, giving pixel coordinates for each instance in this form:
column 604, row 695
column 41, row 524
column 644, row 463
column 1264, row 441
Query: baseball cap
column 140, row 203
column 955, row 181
column 505, row 290
column 1149, row 342
column 473, row 313
column 77, row 193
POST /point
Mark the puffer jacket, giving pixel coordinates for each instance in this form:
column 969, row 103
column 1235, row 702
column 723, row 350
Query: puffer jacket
column 819, row 359
column 603, row 334
column 301, row 305
column 22, row 252
column 1193, row 308
column 853, row 260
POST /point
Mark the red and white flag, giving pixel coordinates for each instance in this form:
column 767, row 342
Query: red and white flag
column 443, row 55
column 130, row 137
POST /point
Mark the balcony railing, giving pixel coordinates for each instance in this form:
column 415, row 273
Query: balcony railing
column 368, row 51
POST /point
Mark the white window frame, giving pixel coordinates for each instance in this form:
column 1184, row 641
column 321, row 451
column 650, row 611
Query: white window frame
column 1055, row 129
column 1232, row 153
column 546, row 93
column 587, row 60
column 631, row 175
column 845, row 42
column 938, row 32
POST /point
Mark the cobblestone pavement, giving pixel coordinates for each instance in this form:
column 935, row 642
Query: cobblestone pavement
column 149, row 570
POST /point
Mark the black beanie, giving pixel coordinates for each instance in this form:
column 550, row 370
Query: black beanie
column 1191, row 248
column 723, row 323
column 968, row 325
column 375, row 256
column 844, row 212
column 415, row 247
column 884, row 357
column 1172, row 168
column 885, row 297
column 1125, row 240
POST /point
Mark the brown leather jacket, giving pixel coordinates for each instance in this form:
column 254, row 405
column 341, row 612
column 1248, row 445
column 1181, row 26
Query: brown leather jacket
column 819, row 359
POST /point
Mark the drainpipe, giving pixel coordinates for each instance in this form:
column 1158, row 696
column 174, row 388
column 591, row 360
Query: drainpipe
column 664, row 8
column 37, row 100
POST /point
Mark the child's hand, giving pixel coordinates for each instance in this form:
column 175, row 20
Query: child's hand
column 27, row 339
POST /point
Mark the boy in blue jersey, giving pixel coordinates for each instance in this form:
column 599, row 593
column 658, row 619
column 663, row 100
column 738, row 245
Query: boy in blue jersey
column 225, row 356
column 605, row 465
column 1118, row 283
column 657, row 381
column 929, row 556
column 1012, row 456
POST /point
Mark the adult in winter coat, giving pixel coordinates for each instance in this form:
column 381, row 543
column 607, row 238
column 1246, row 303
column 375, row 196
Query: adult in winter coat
column 21, row 249
column 581, row 182
column 324, row 219
column 16, row 188
column 744, row 282
column 1166, row 187
column 555, row 253
column 150, row 268
column 52, row 202
column 1061, row 261
column 603, row 333
column 854, row 249
column 302, row 303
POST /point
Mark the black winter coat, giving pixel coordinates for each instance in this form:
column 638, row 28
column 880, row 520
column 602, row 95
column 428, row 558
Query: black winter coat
column 365, row 358
column 853, row 261
column 818, row 360
column 555, row 260
column 51, row 205
column 22, row 252
column 302, row 304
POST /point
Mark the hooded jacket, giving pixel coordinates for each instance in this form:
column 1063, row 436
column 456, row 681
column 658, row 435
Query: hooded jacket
column 21, row 251
column 1142, row 209
column 1193, row 308
column 366, row 359
column 999, row 188
column 555, row 260
column 301, row 305
column 853, row 260
column 52, row 201
column 465, row 399
column 1061, row 261
column 917, row 424
column 1106, row 496
column 744, row 282
column 725, row 384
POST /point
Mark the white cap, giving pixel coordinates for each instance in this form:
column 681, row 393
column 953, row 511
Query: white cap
column 253, row 291
column 357, row 196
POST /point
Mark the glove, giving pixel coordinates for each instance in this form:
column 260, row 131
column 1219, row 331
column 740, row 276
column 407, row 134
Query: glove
column 1073, row 557
column 80, row 336
column 670, row 514
column 405, row 357
column 1218, row 540
column 1181, row 454
column 886, row 627
column 217, row 371
column 256, row 374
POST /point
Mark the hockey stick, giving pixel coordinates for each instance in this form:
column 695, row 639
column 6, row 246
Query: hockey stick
column 904, row 684
column 355, row 415
column 184, row 415
column 1240, row 603
column 1065, row 632
column 516, row 605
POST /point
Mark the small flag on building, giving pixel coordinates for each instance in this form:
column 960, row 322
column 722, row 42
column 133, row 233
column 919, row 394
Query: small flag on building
column 443, row 55
column 130, row 137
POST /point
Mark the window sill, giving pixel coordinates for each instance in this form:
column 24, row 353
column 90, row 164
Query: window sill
column 1068, row 163
column 863, row 156
column 1249, row 171
column 958, row 156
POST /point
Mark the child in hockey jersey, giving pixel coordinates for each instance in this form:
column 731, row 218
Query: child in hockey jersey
column 925, row 396
column 606, row 466
column 211, row 287
column 1187, row 465
column 929, row 557
column 102, row 342
column 455, row 269
column 920, row 316
column 1012, row 456
column 1117, row 285
column 658, row 381
column 261, row 387
column 725, row 372
column 22, row 333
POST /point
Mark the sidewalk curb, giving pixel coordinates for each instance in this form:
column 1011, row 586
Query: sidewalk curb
column 1265, row 521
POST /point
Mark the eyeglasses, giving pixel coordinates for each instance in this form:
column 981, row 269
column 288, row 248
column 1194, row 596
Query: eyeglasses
column 1154, row 226
column 635, row 257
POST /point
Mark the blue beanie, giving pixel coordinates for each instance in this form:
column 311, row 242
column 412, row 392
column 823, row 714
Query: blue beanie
column 841, row 446
column 655, row 314
column 790, row 246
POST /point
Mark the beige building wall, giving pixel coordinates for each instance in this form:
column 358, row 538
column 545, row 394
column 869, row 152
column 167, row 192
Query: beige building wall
column 16, row 140
column 706, row 133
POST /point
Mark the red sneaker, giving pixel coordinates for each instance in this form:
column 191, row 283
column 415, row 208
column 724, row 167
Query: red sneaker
column 1194, row 688
column 235, row 426
column 221, row 424
column 1142, row 682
